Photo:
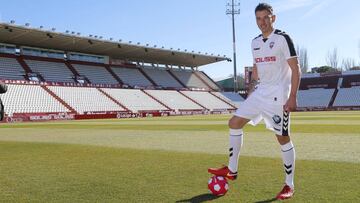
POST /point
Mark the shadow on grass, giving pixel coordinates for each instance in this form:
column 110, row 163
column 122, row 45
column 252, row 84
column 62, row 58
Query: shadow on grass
column 200, row 198
column 267, row 201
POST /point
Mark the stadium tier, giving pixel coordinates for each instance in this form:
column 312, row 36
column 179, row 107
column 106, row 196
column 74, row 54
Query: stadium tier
column 86, row 99
column 11, row 69
column 162, row 78
column 51, row 71
column 230, row 97
column 131, row 76
column 30, row 99
column 175, row 100
column 189, row 79
column 208, row 100
column 135, row 100
column 348, row 97
column 317, row 97
column 95, row 74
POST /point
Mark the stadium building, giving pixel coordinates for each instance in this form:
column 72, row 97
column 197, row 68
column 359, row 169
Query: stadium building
column 57, row 76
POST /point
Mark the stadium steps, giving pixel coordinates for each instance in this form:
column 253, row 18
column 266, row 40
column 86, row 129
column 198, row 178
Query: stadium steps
column 58, row 99
column 170, row 109
column 194, row 101
column 332, row 100
column 203, row 81
column 147, row 77
column 177, row 79
column 107, row 67
column 223, row 100
column 114, row 100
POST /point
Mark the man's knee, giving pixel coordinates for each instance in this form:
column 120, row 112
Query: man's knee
column 283, row 139
column 237, row 122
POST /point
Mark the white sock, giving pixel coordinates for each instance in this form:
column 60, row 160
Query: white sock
column 288, row 154
column 235, row 143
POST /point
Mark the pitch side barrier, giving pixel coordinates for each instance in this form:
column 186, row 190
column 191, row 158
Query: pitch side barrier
column 41, row 117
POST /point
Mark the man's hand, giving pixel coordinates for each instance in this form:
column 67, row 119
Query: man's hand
column 291, row 104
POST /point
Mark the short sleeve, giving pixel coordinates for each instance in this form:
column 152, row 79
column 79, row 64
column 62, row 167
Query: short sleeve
column 288, row 48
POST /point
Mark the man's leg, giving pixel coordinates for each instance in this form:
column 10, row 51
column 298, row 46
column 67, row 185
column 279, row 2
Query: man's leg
column 288, row 155
column 235, row 142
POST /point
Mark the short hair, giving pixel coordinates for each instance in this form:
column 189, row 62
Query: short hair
column 264, row 6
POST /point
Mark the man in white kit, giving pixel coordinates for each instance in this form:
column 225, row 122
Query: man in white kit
column 272, row 96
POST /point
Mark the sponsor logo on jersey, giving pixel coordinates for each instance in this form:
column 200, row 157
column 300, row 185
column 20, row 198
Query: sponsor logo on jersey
column 276, row 119
column 271, row 45
column 265, row 59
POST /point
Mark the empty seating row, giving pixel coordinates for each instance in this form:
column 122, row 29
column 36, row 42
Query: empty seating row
column 96, row 74
column 11, row 69
column 189, row 79
column 30, row 99
column 85, row 99
column 162, row 77
column 348, row 97
column 207, row 100
column 51, row 71
column 318, row 97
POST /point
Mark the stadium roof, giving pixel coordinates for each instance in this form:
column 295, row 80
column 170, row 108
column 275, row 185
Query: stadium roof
column 73, row 42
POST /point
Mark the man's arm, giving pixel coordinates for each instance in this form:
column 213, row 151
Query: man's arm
column 254, row 80
column 291, row 104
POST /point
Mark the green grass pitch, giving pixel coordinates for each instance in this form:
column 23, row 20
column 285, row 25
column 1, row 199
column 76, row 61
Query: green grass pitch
column 166, row 160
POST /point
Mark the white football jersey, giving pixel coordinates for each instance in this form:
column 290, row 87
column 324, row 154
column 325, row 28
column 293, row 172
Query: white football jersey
column 270, row 56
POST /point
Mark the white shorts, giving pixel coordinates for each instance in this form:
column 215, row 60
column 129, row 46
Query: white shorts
column 255, row 109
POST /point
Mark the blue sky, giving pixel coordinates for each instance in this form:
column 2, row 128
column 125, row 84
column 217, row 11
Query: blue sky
column 199, row 25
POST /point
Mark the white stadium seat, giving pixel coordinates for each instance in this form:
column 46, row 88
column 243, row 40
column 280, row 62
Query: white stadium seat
column 207, row 100
column 174, row 100
column 30, row 99
column 135, row 100
column 85, row 99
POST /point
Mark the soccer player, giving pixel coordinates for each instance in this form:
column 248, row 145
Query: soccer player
column 272, row 96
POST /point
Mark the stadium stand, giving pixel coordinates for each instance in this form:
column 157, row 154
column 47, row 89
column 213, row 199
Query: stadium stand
column 317, row 97
column 85, row 99
column 51, row 71
column 11, row 69
column 189, row 79
column 231, row 97
column 208, row 80
column 135, row 100
column 30, row 99
column 174, row 100
column 348, row 97
column 162, row 77
column 207, row 100
column 96, row 74
column 131, row 76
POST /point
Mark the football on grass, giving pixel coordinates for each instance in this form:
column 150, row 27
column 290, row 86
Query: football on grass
column 218, row 185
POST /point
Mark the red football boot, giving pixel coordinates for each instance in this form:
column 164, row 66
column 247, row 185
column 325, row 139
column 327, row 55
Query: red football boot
column 286, row 193
column 224, row 172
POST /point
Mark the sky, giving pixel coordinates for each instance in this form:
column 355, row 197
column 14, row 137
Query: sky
column 200, row 25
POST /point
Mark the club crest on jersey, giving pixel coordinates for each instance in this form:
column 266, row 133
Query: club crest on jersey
column 271, row 45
